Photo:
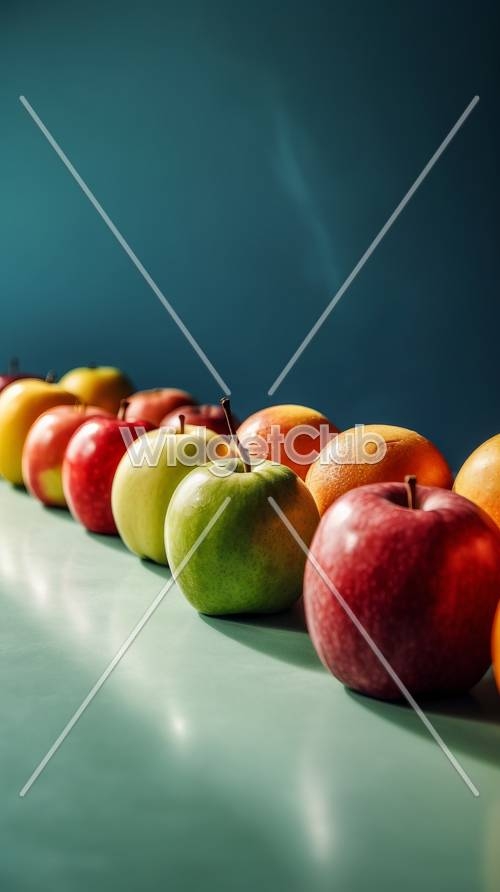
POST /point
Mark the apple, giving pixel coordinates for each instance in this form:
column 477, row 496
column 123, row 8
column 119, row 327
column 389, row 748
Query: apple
column 143, row 488
column 103, row 386
column 419, row 567
column 20, row 405
column 90, row 461
column 209, row 416
column 44, row 450
column 495, row 645
column 248, row 562
column 155, row 404
column 13, row 374
column 289, row 434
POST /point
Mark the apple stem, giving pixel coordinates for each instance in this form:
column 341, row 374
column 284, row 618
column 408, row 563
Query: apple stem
column 182, row 419
column 50, row 377
column 13, row 365
column 124, row 404
column 411, row 490
column 226, row 405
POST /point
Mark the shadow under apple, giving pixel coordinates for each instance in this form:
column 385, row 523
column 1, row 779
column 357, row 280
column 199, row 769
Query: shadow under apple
column 469, row 724
column 283, row 635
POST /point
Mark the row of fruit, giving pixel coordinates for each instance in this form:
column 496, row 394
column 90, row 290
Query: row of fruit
column 402, row 579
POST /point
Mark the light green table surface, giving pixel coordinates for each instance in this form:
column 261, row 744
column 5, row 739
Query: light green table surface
column 219, row 755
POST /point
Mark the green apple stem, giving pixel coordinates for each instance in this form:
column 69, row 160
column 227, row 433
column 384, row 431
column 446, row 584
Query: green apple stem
column 122, row 410
column 50, row 377
column 182, row 419
column 13, row 365
column 226, row 405
column 411, row 490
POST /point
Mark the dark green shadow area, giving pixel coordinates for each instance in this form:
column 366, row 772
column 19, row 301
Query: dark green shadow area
column 113, row 542
column 58, row 513
column 468, row 724
column 281, row 635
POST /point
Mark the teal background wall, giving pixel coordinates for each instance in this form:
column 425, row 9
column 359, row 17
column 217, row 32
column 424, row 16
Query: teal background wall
column 249, row 152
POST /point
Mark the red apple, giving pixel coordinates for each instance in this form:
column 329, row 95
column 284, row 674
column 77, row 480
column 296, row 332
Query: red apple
column 13, row 374
column 423, row 581
column 44, row 449
column 209, row 416
column 155, row 404
column 89, row 466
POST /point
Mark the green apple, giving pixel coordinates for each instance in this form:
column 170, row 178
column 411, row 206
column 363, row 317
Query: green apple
column 144, row 482
column 248, row 562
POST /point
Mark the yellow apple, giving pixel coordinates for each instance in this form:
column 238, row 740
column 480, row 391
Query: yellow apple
column 144, row 483
column 102, row 386
column 20, row 405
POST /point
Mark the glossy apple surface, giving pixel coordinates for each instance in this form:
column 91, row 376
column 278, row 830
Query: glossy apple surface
column 210, row 416
column 89, row 465
column 300, row 428
column 21, row 403
column 141, row 493
column 103, row 386
column 424, row 583
column 155, row 404
column 44, row 450
column 249, row 562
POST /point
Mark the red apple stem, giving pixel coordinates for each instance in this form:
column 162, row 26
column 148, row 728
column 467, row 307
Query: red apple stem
column 182, row 419
column 226, row 406
column 124, row 404
column 50, row 377
column 13, row 365
column 411, row 490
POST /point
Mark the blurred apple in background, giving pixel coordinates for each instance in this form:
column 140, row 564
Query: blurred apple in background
column 44, row 450
column 141, row 493
column 155, row 404
column 89, row 465
column 21, row 403
column 479, row 478
column 14, row 374
column 288, row 419
column 209, row 416
column 374, row 453
column 420, row 569
column 102, row 386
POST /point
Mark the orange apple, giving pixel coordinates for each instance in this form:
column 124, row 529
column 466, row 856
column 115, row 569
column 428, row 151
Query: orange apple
column 292, row 434
column 496, row 647
column 375, row 453
column 20, row 405
column 479, row 478
column 103, row 386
